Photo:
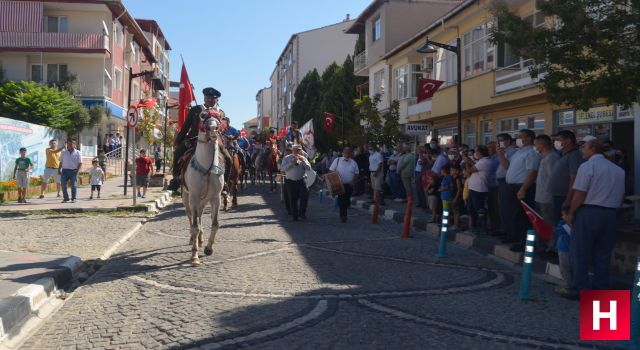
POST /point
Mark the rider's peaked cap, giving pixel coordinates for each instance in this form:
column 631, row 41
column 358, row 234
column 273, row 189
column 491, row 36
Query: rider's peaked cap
column 211, row 92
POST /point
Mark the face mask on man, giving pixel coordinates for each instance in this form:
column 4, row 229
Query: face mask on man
column 557, row 145
column 519, row 143
column 452, row 156
column 433, row 146
column 503, row 144
column 535, row 149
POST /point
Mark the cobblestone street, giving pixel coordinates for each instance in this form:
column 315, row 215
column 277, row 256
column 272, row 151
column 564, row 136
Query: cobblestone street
column 317, row 284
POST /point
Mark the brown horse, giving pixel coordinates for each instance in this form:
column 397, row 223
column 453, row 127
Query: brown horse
column 272, row 166
column 232, row 183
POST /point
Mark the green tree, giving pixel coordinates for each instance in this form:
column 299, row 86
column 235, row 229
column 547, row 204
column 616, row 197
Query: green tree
column 381, row 129
column 588, row 49
column 360, row 45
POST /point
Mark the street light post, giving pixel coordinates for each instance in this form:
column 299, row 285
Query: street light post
column 126, row 150
column 426, row 48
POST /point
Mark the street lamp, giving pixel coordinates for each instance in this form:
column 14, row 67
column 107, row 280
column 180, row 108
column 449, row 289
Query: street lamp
column 126, row 151
column 427, row 48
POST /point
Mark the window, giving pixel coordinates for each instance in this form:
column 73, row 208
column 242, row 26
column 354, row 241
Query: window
column 416, row 75
column 470, row 134
column 377, row 29
column 56, row 24
column 479, row 54
column 445, row 66
column 487, row 131
column 135, row 92
column 56, row 73
column 378, row 82
column 289, row 99
column 117, row 81
column 118, row 34
column 36, row 73
column 106, row 84
column 533, row 122
column 401, row 82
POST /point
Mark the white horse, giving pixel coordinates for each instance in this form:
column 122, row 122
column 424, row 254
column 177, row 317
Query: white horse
column 202, row 183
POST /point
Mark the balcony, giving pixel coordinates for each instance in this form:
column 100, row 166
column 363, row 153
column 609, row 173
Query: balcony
column 98, row 89
column 54, row 41
column 360, row 61
column 417, row 108
column 516, row 76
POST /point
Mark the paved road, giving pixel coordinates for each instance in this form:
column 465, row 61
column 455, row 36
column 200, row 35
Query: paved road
column 320, row 284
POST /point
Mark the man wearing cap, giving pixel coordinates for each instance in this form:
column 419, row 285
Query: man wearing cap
column 598, row 191
column 563, row 172
column 296, row 194
column 190, row 129
column 348, row 170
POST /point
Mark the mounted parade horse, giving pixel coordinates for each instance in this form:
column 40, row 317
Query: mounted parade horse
column 271, row 165
column 234, row 179
column 203, row 180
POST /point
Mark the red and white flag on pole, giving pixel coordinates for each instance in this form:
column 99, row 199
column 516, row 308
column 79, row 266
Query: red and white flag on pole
column 428, row 87
column 329, row 121
column 542, row 227
column 185, row 98
column 243, row 133
column 147, row 102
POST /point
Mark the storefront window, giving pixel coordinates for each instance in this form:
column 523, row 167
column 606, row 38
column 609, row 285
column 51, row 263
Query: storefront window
column 470, row 134
column 487, row 131
column 534, row 122
column 445, row 136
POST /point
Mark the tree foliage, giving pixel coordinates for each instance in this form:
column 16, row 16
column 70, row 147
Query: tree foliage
column 380, row 128
column 52, row 107
column 588, row 49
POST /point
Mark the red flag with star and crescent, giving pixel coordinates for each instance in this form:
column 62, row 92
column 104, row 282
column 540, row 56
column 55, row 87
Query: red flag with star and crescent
column 543, row 228
column 428, row 87
column 329, row 121
column 185, row 97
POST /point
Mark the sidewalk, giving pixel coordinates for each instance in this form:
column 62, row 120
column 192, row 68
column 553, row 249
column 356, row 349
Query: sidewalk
column 111, row 198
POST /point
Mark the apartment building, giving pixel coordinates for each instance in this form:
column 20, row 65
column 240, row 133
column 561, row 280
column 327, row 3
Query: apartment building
column 263, row 99
column 97, row 41
column 386, row 24
column 303, row 52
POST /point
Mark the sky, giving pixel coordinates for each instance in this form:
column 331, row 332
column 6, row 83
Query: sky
column 233, row 45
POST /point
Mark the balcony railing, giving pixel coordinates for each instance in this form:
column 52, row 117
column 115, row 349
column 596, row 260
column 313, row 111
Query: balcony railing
column 417, row 108
column 77, row 41
column 360, row 61
column 516, row 76
column 93, row 89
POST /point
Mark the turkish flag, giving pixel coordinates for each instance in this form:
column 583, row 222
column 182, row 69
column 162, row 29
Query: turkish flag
column 428, row 87
column 542, row 227
column 283, row 131
column 147, row 102
column 243, row 133
column 185, row 97
column 329, row 121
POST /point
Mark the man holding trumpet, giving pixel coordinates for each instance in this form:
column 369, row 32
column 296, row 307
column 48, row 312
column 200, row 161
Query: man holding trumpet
column 297, row 195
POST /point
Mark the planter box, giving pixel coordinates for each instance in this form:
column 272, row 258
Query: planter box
column 156, row 180
column 32, row 191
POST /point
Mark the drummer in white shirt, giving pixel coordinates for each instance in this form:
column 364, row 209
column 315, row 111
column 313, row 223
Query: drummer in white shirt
column 348, row 171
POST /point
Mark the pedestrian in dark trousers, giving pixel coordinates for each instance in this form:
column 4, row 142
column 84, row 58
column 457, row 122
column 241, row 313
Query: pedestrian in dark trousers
column 505, row 150
column 598, row 193
column 348, row 171
column 521, row 177
column 493, row 201
column 362, row 159
column 295, row 165
column 563, row 173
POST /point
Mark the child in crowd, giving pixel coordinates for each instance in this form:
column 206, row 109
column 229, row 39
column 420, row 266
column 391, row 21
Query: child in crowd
column 97, row 178
column 21, row 174
column 563, row 243
column 433, row 199
column 465, row 192
column 446, row 187
column 456, row 196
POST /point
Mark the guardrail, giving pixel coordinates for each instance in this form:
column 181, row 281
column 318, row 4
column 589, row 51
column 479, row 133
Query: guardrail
column 360, row 61
column 516, row 76
column 46, row 40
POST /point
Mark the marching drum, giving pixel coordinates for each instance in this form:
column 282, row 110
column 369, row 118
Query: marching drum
column 334, row 183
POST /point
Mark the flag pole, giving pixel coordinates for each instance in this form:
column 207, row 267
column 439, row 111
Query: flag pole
column 185, row 68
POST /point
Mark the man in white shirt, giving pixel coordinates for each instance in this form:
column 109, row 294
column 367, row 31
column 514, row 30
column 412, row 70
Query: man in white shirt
column 295, row 165
column 348, row 171
column 598, row 191
column 70, row 163
column 376, row 168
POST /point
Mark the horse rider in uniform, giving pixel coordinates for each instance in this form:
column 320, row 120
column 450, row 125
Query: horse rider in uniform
column 189, row 131
column 294, row 135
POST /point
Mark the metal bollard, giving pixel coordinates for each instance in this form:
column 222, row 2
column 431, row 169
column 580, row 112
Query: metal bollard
column 321, row 196
column 407, row 218
column 335, row 203
column 635, row 309
column 376, row 208
column 527, row 266
column 442, row 251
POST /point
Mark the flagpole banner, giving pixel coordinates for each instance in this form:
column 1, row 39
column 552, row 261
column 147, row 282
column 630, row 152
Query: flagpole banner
column 428, row 87
column 16, row 134
column 308, row 137
column 185, row 97
column 329, row 121
column 543, row 228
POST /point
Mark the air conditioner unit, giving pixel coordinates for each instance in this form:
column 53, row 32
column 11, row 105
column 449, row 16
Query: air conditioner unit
column 427, row 64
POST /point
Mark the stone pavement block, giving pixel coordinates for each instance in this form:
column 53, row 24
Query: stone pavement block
column 465, row 239
column 502, row 251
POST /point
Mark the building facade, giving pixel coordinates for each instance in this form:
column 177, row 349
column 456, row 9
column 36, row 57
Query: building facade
column 97, row 42
column 304, row 52
column 263, row 99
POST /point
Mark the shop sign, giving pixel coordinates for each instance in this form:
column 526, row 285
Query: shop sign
column 595, row 115
column 416, row 129
column 566, row 118
column 624, row 113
